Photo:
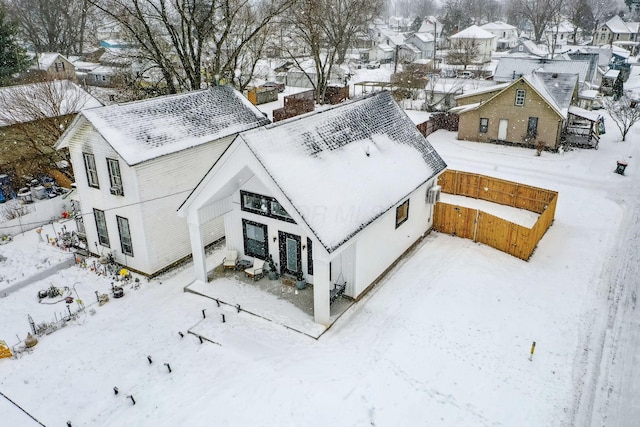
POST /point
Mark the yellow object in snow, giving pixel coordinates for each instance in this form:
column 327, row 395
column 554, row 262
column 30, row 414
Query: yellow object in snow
column 5, row 351
column 124, row 272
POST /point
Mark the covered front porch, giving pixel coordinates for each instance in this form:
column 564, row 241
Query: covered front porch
column 582, row 128
column 278, row 301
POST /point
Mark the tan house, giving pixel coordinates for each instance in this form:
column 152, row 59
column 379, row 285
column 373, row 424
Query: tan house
column 616, row 30
column 535, row 110
column 55, row 66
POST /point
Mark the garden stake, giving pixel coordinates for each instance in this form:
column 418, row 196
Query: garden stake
column 223, row 319
column 204, row 316
column 238, row 307
column 168, row 367
column 149, row 359
column 132, row 399
column 218, row 302
column 200, row 338
column 115, row 390
column 181, row 334
column 533, row 347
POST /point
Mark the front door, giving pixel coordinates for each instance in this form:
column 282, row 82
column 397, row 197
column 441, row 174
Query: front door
column 502, row 129
column 290, row 253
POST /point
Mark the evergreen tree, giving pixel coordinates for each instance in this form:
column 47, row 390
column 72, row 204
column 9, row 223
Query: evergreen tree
column 417, row 23
column 12, row 57
column 618, row 89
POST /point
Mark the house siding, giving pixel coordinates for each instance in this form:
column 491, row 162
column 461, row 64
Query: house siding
column 503, row 107
column 176, row 176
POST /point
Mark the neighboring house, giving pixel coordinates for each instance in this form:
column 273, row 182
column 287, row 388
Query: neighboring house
column 432, row 26
column 506, row 35
column 31, row 117
column 54, row 66
column 134, row 163
column 424, row 43
column 528, row 48
column 615, row 29
column 561, row 34
column 338, row 195
column 482, row 42
column 533, row 111
column 512, row 68
column 608, row 80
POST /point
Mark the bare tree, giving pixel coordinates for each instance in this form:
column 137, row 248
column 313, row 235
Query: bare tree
column 538, row 13
column 33, row 118
column 580, row 15
column 624, row 112
column 52, row 25
column 328, row 28
column 181, row 37
column 463, row 52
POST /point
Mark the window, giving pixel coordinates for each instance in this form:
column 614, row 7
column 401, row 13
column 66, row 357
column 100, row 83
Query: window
column 309, row 257
column 59, row 66
column 255, row 239
column 101, row 225
column 484, row 125
column 96, row 77
column 520, row 48
column 125, row 236
column 92, row 172
column 520, row 94
column 263, row 205
column 532, row 127
column 402, row 213
column 115, row 179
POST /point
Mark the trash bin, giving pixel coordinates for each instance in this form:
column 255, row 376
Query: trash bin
column 620, row 167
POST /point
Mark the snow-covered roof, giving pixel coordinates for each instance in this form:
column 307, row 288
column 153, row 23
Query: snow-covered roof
column 611, row 74
column 556, row 88
column 46, row 99
column 482, row 90
column 473, row 32
column 46, row 60
column 464, row 108
column 588, row 94
column 410, row 46
column 343, row 167
column 386, row 48
column 617, row 25
column 425, row 37
column 144, row 130
column 510, row 68
column 585, row 114
column 497, row 26
column 531, row 47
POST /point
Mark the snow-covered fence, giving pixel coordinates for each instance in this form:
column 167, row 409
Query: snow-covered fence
column 40, row 212
column 491, row 230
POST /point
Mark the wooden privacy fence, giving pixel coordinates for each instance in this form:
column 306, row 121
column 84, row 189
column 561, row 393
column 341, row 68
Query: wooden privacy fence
column 491, row 230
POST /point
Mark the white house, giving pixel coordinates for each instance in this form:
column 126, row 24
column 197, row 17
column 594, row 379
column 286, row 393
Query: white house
column 337, row 195
column 506, row 35
column 424, row 44
column 135, row 163
column 477, row 39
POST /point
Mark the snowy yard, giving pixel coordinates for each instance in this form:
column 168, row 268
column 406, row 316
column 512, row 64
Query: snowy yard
column 444, row 339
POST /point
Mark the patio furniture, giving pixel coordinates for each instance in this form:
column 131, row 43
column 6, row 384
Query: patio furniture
column 337, row 291
column 243, row 264
column 256, row 271
column 230, row 260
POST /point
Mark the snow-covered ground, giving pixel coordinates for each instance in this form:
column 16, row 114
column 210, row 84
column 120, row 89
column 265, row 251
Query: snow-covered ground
column 444, row 339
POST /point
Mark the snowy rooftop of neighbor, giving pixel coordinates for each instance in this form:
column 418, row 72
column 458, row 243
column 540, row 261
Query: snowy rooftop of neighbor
column 51, row 99
column 344, row 167
column 510, row 68
column 143, row 130
column 46, row 60
column 497, row 26
column 617, row 25
column 473, row 32
column 425, row 37
column 482, row 90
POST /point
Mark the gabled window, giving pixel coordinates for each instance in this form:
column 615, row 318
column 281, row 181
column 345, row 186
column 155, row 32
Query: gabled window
column 520, row 94
column 263, row 205
column 402, row 213
column 92, row 172
column 125, row 236
column 484, row 125
column 115, row 178
column 101, row 226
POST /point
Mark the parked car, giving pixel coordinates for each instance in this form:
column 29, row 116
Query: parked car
column 274, row 85
column 465, row 75
column 373, row 64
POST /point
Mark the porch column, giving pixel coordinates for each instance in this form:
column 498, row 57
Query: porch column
column 197, row 250
column 321, row 313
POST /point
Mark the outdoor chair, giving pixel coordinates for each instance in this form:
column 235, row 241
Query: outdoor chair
column 256, row 271
column 230, row 260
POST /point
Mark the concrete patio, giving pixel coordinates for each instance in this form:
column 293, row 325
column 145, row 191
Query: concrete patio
column 278, row 301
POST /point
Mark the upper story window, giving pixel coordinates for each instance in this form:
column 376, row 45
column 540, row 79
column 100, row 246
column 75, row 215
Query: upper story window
column 92, row 172
column 520, row 94
column 59, row 66
column 115, row 178
column 402, row 213
column 263, row 205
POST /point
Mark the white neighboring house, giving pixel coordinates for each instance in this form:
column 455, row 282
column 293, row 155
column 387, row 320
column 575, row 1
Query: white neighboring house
column 424, row 43
column 506, row 35
column 482, row 40
column 560, row 35
column 337, row 195
column 135, row 163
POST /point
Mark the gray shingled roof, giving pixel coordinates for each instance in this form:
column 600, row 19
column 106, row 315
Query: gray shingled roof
column 344, row 167
column 144, row 130
column 510, row 69
column 558, row 86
